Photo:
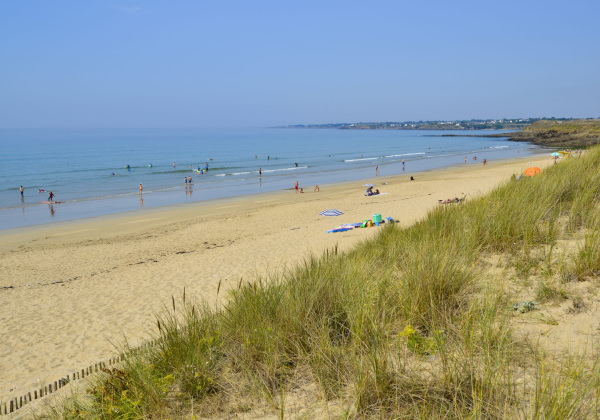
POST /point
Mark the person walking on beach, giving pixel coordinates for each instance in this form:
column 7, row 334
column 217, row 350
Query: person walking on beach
column 22, row 191
column 51, row 196
column 377, row 170
column 296, row 187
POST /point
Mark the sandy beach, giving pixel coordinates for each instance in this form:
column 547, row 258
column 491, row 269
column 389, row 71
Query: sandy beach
column 72, row 291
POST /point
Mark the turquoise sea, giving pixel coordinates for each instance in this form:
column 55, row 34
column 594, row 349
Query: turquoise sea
column 78, row 165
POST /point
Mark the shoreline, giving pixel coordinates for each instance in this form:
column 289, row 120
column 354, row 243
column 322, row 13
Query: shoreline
column 94, row 193
column 70, row 289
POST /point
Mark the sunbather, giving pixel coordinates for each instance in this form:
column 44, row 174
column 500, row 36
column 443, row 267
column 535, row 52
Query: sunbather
column 450, row 200
column 371, row 192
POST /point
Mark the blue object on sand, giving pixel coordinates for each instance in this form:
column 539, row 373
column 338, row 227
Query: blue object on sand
column 338, row 230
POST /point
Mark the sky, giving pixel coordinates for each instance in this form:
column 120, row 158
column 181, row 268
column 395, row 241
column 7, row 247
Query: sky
column 224, row 63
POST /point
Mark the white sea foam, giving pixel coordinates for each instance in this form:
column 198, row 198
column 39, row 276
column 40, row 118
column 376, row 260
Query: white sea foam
column 405, row 154
column 285, row 169
column 361, row 159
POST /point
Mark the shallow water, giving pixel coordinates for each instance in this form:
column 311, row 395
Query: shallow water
column 86, row 169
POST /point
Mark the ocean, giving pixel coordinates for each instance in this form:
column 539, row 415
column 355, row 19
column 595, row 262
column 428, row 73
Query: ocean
column 98, row 172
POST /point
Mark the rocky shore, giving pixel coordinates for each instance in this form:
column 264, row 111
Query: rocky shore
column 560, row 134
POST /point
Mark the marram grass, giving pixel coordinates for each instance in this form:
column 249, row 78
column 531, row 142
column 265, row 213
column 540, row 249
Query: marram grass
column 405, row 325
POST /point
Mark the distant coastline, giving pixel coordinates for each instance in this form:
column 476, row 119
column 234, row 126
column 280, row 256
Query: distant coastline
column 554, row 132
column 498, row 124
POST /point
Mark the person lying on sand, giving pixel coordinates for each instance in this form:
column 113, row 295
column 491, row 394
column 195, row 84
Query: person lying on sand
column 450, row 200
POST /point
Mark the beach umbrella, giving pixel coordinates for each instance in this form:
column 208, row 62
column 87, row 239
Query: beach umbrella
column 532, row 171
column 368, row 185
column 556, row 154
column 330, row 212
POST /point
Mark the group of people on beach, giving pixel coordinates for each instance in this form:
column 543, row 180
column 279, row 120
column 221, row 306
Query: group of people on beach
column 371, row 192
column 301, row 190
column 41, row 190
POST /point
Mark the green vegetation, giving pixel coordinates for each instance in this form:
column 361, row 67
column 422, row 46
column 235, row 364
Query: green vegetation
column 567, row 134
column 416, row 323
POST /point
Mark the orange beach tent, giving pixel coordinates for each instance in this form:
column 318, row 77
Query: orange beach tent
column 532, row 171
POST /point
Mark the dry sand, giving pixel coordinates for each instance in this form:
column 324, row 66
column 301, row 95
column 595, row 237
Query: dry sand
column 69, row 292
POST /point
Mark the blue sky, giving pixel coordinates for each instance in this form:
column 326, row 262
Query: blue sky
column 191, row 63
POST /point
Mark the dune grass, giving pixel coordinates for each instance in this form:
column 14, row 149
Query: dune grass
column 409, row 324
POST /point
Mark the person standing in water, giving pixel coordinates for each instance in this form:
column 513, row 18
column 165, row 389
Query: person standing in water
column 296, row 187
column 259, row 171
column 22, row 191
column 141, row 188
column 51, row 196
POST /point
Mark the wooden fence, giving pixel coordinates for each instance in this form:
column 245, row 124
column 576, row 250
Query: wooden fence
column 17, row 403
